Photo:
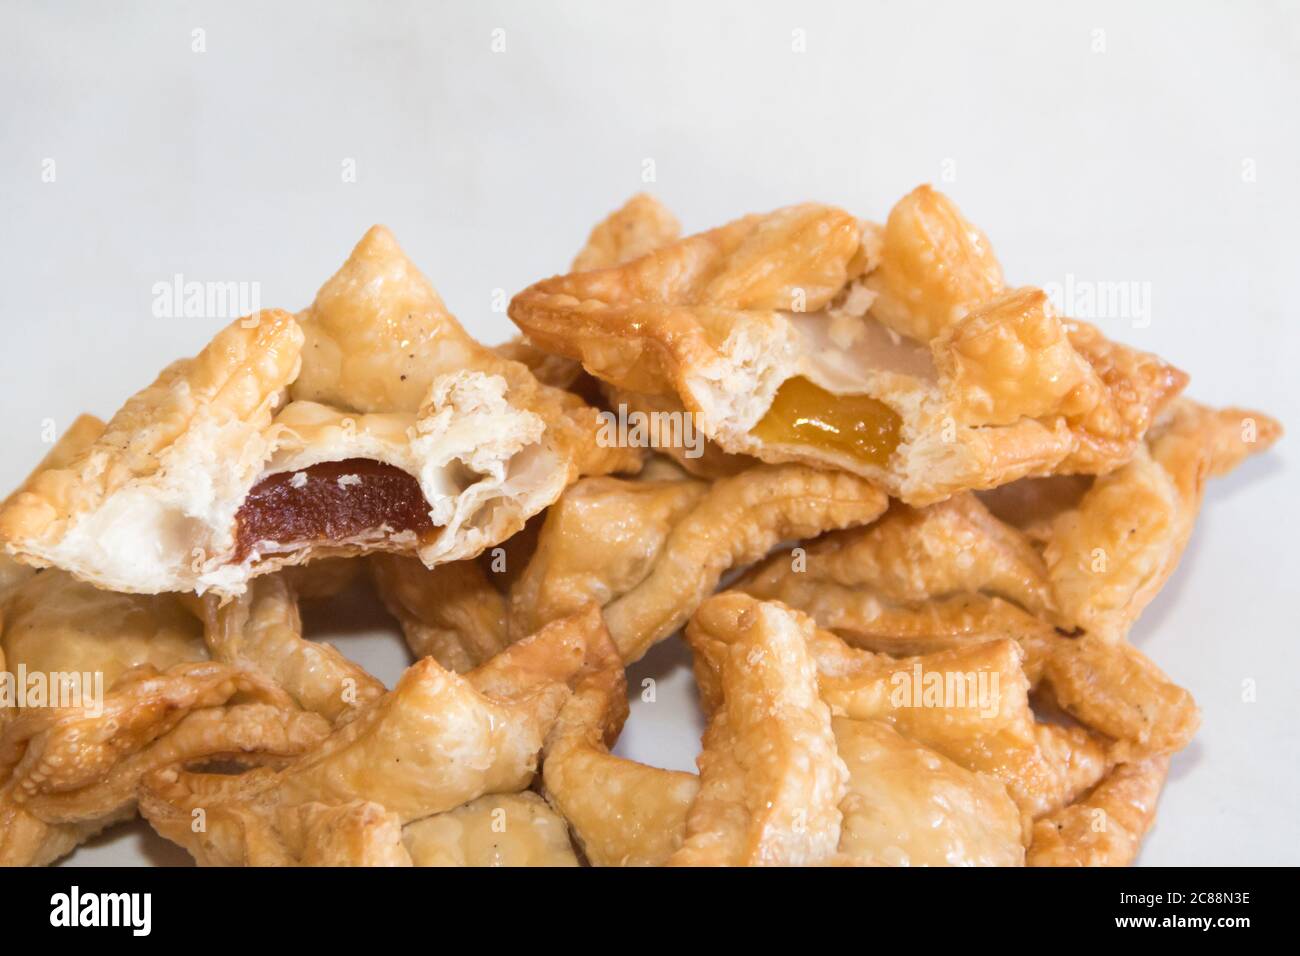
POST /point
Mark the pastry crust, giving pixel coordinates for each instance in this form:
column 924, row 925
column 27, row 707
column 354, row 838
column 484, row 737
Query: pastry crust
column 262, row 630
column 54, row 623
column 434, row 743
column 599, row 541
column 69, row 771
column 638, row 227
column 709, row 461
column 986, row 385
column 909, row 806
column 991, row 731
column 935, row 267
column 739, row 521
column 504, row 829
column 940, row 680
column 375, row 369
column 452, row 613
column 1108, row 556
column 1106, row 828
column 771, row 778
column 1090, row 557
column 952, row 576
column 622, row 813
column 673, row 541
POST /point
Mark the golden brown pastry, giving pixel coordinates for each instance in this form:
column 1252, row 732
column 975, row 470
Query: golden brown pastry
column 1105, row 828
column 452, row 613
column 767, row 330
column 771, row 778
column 262, row 630
column 907, row 805
column 970, row 704
column 952, row 576
column 702, row 457
column 621, row 813
column 1108, row 556
column 321, row 580
column 370, row 422
column 598, row 542
column 76, row 439
column 903, row 803
column 651, row 552
column 146, row 697
column 434, row 743
column 501, row 829
column 941, row 679
column 639, row 226
column 455, row 612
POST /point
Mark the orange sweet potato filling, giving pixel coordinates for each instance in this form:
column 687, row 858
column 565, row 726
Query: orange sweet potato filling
column 854, row 425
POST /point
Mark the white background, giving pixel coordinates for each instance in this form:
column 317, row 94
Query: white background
column 1108, row 141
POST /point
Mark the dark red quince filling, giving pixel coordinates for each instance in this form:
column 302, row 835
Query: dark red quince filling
column 322, row 509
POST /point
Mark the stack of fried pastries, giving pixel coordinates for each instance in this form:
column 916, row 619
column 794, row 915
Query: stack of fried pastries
column 906, row 552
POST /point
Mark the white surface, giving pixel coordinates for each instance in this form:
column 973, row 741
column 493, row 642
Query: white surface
column 1122, row 165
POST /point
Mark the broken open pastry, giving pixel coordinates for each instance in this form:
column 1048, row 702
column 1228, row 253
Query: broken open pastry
column 369, row 422
column 897, row 354
column 933, row 507
column 97, row 689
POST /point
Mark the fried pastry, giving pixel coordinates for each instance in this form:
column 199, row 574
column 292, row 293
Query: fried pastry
column 1110, row 554
column 771, row 778
column 598, row 542
column 767, row 330
column 77, row 438
column 705, row 459
column 262, row 630
column 940, row 679
column 149, row 698
column 903, row 803
column 452, row 613
column 970, row 704
column 54, row 623
column 907, row 805
column 672, row 542
column 369, row 422
column 1044, row 766
column 321, row 580
column 434, row 743
column 952, row 576
column 621, row 813
column 1105, row 828
column 504, row 829
column 638, row 227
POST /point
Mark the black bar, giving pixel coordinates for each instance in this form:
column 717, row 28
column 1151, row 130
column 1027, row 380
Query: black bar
column 335, row 906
